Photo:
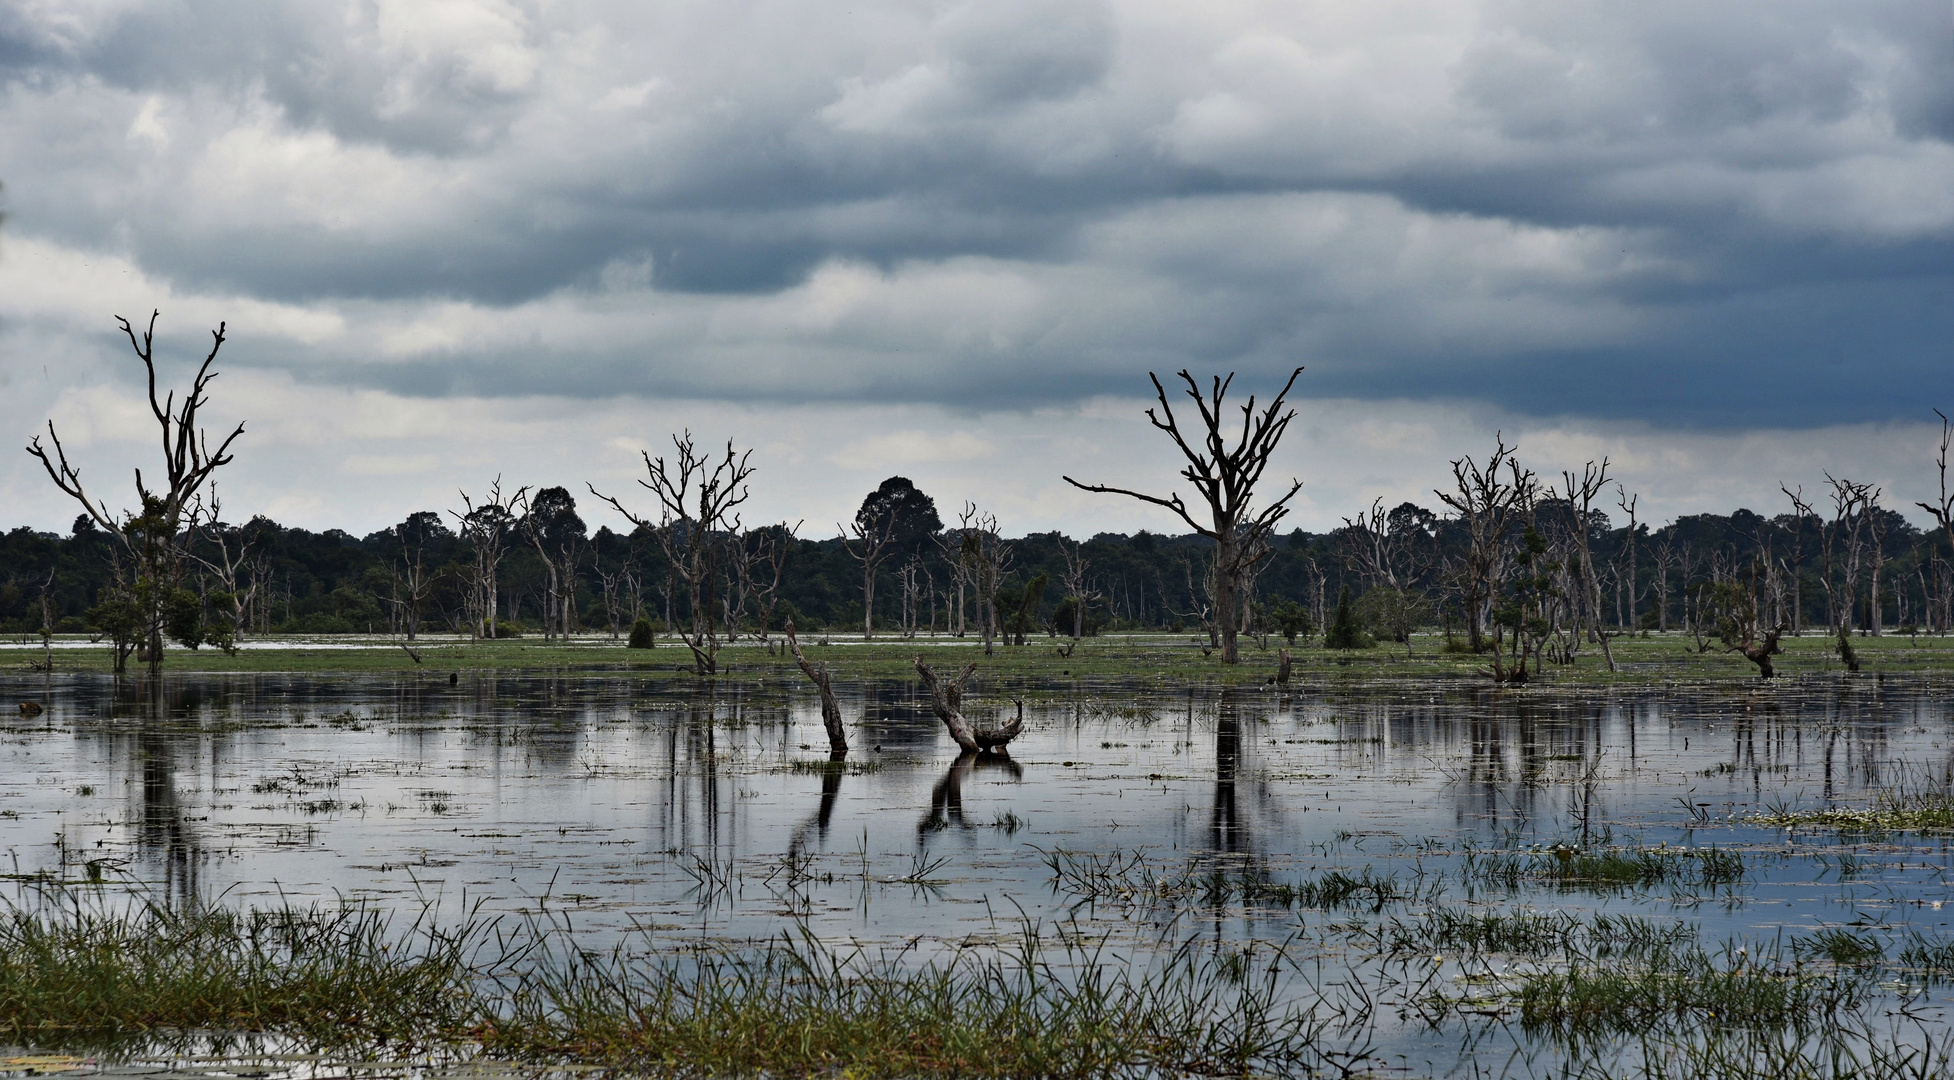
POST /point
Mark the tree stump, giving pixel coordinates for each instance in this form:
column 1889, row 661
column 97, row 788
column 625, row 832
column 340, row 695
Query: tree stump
column 830, row 708
column 946, row 700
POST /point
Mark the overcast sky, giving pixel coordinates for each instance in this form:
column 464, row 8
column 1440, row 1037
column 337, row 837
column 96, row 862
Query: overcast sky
column 460, row 238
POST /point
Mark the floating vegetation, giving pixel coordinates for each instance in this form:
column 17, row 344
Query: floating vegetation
column 1529, row 933
column 1130, row 878
column 1567, row 867
column 1687, row 986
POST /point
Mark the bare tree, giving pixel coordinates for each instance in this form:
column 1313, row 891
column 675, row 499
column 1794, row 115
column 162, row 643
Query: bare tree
column 875, row 537
column 1943, row 512
column 1850, row 500
column 550, row 522
column 1079, row 585
column 1578, row 501
column 1801, row 511
column 1485, row 504
column 770, row 549
column 982, row 549
column 698, row 499
column 413, row 581
column 487, row 528
column 1225, row 478
column 1633, row 581
column 232, row 556
column 152, row 536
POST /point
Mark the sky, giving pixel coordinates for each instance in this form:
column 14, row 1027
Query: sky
column 452, row 240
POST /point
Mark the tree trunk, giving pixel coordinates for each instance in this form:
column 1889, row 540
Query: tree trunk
column 946, row 700
column 830, row 708
column 1282, row 667
column 1227, row 597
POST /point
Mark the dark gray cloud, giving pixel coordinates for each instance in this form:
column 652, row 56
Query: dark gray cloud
column 1686, row 213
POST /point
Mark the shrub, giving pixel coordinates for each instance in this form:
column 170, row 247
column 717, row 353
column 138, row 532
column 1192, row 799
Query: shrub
column 641, row 634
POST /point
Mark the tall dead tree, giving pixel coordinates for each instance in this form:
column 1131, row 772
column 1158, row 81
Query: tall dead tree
column 153, row 535
column 1801, row 512
column 487, row 527
column 874, row 542
column 551, row 524
column 699, row 496
column 1078, row 584
column 1224, row 477
column 1578, row 502
column 228, row 562
column 1486, row 504
column 1943, row 512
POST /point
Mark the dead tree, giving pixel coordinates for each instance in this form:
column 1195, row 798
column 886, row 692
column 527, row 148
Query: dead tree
column 413, row 582
column 1578, row 502
column 1082, row 588
column 875, row 537
column 1850, row 500
column 1485, row 504
column 1801, row 511
column 152, row 536
column 830, row 708
column 770, row 548
column 1628, row 503
column 487, row 528
column 946, row 700
column 550, row 522
column 698, row 499
column 983, row 550
column 232, row 558
column 1224, row 477
column 1943, row 512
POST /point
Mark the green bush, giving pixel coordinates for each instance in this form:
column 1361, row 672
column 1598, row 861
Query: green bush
column 641, row 634
column 1344, row 632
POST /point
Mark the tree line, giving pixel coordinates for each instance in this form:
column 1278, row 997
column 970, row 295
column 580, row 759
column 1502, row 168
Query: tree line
column 1524, row 567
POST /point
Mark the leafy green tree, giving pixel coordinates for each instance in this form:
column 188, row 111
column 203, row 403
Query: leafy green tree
column 1291, row 619
column 1344, row 631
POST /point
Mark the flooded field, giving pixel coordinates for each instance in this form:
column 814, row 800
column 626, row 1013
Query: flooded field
column 1427, row 877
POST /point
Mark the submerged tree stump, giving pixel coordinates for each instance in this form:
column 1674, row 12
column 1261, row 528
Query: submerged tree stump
column 830, row 708
column 946, row 699
column 1282, row 667
column 1760, row 652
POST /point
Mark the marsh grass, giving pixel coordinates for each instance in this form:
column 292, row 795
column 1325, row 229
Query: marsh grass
column 1915, row 800
column 1132, row 879
column 1565, row 867
column 78, row 975
column 1686, row 986
column 799, row 1008
column 1530, row 934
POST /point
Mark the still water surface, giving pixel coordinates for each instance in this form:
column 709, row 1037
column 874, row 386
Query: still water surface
column 703, row 815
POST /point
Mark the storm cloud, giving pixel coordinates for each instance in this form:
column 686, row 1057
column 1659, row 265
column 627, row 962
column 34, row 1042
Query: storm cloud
column 1716, row 219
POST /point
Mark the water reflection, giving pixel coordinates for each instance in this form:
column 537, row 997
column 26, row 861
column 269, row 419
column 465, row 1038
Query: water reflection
column 946, row 797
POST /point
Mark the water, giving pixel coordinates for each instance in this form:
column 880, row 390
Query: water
column 685, row 816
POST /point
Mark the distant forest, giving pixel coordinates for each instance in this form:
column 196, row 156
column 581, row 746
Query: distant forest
column 1396, row 569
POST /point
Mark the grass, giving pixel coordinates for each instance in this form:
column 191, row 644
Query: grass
column 80, row 975
column 1686, row 987
column 1529, row 933
column 1566, row 867
column 76, row 977
column 1131, row 879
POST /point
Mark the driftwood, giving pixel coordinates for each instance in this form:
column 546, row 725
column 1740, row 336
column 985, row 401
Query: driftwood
column 946, row 699
column 830, row 708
